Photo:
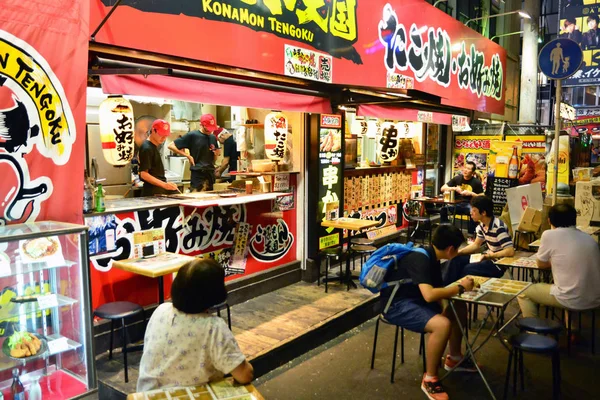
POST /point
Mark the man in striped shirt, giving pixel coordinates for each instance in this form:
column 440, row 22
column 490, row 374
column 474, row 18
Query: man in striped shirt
column 491, row 231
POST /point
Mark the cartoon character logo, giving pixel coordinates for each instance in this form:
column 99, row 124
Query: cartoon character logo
column 35, row 123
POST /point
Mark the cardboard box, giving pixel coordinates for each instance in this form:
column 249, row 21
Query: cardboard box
column 531, row 220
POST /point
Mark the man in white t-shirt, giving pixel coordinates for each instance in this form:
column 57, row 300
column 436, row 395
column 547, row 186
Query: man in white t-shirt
column 574, row 257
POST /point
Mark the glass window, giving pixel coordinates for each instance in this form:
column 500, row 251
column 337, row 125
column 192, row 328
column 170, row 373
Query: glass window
column 590, row 96
column 578, row 95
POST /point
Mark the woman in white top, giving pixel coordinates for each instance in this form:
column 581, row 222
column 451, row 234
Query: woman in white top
column 184, row 345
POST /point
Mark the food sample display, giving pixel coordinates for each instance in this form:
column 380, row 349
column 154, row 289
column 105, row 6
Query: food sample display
column 24, row 344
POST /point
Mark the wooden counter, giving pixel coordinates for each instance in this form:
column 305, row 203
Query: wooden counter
column 153, row 267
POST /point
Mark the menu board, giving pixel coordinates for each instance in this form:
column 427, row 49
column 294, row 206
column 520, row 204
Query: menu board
column 496, row 190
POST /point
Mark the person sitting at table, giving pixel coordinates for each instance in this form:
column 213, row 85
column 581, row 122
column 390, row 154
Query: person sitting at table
column 184, row 344
column 574, row 259
column 466, row 186
column 491, row 231
column 417, row 306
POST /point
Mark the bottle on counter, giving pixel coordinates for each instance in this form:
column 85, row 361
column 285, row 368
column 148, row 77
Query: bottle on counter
column 88, row 195
column 513, row 166
column 35, row 390
column 100, row 206
column 17, row 388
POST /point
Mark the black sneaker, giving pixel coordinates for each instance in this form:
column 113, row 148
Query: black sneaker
column 434, row 389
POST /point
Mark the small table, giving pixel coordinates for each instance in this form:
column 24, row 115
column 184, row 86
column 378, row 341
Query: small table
column 494, row 293
column 441, row 201
column 155, row 267
column 535, row 245
column 352, row 225
column 524, row 262
column 222, row 389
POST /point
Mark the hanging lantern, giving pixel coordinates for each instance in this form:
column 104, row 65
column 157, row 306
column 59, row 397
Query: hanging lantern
column 116, row 130
column 389, row 142
column 358, row 127
column 276, row 133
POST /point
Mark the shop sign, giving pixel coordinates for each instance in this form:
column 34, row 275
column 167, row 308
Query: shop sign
column 281, row 182
column 239, row 253
column 41, row 157
column 577, row 29
column 116, row 130
column 587, row 112
column 424, row 116
column 379, row 233
column 276, row 132
column 308, row 64
column 460, row 123
column 331, row 121
column 472, row 143
column 389, row 143
column 271, row 242
column 284, row 203
column 330, row 176
column 404, row 44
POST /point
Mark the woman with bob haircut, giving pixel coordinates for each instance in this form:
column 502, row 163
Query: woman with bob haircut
column 184, row 344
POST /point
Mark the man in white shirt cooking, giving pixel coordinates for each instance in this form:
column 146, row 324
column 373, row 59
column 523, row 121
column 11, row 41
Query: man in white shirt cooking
column 574, row 258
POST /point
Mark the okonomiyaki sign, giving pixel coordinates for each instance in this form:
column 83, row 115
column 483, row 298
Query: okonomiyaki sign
column 428, row 52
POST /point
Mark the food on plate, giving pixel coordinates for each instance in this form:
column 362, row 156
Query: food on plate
column 40, row 247
column 331, row 142
column 23, row 344
column 25, row 299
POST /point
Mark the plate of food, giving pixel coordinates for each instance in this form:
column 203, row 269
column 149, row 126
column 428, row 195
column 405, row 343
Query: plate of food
column 42, row 249
column 24, row 346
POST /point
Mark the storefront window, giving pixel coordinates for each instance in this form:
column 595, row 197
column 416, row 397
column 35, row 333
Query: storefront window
column 590, row 95
column 577, row 97
column 432, row 155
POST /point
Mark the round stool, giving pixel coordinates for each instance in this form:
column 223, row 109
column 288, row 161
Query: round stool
column 218, row 307
column 362, row 241
column 332, row 253
column 115, row 311
column 539, row 325
column 363, row 251
column 531, row 343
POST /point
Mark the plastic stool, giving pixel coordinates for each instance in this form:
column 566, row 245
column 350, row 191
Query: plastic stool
column 119, row 310
column 539, row 325
column 531, row 343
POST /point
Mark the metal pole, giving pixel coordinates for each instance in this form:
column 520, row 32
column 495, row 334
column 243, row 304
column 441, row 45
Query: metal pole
column 556, row 138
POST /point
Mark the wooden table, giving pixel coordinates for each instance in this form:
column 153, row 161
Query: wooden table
column 224, row 389
column 154, row 267
column 441, row 201
column 494, row 293
column 352, row 225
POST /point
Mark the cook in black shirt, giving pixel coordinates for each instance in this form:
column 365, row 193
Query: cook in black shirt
column 152, row 170
column 417, row 305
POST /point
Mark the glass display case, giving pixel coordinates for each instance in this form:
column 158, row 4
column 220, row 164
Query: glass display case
column 45, row 310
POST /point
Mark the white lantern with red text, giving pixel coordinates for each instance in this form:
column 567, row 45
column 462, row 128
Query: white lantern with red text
column 388, row 143
column 276, row 133
column 116, row 130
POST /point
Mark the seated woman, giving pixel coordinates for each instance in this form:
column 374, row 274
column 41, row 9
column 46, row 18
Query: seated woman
column 184, row 344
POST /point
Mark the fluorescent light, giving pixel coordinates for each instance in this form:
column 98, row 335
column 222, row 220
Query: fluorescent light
column 524, row 15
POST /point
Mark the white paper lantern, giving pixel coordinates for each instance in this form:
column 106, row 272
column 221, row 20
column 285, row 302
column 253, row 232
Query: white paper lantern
column 276, row 133
column 388, row 144
column 116, row 130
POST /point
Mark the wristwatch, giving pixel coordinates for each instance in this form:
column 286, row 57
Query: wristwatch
column 461, row 289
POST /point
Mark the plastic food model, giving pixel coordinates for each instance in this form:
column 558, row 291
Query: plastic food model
column 23, row 344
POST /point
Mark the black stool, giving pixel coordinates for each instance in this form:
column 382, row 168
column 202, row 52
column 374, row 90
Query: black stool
column 530, row 343
column 119, row 310
column 362, row 241
column 363, row 251
column 539, row 325
column 218, row 307
column 334, row 253
column 398, row 328
column 529, row 235
column 570, row 319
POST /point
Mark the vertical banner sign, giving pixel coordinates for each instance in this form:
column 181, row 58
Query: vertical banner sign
column 276, row 131
column 579, row 21
column 563, row 164
column 43, row 75
column 330, row 177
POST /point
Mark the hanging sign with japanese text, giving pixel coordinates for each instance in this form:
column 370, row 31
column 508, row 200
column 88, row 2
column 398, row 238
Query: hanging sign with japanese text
column 43, row 73
column 276, row 132
column 403, row 44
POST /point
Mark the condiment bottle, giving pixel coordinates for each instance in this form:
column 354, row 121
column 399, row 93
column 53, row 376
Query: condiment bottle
column 100, row 206
column 18, row 391
column 88, row 196
column 35, row 390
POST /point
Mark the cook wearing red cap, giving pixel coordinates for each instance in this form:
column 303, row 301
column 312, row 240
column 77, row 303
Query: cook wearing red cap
column 203, row 152
column 152, row 170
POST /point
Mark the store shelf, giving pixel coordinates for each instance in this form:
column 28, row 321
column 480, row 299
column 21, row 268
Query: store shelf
column 70, row 344
column 34, row 267
column 11, row 309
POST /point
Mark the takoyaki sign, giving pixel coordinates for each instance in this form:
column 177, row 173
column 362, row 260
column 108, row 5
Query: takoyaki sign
column 39, row 160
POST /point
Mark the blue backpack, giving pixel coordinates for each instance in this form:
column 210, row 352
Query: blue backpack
column 372, row 275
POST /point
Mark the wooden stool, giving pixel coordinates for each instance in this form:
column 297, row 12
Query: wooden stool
column 115, row 311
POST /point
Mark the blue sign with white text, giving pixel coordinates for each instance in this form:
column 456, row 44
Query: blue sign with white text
column 560, row 58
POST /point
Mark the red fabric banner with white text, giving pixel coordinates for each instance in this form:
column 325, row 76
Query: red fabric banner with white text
column 43, row 76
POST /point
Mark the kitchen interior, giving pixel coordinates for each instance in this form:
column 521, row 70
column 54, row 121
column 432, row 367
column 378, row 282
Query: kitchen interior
column 245, row 123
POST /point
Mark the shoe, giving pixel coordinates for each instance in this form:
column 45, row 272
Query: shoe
column 466, row 366
column 434, row 389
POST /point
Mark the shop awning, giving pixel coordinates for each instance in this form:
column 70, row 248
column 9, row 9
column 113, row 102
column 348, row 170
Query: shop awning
column 403, row 114
column 198, row 91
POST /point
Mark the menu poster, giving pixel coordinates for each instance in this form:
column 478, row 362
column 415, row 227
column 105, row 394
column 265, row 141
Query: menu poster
column 281, row 182
column 102, row 233
column 284, row 203
column 496, row 190
column 150, row 237
column 239, row 256
column 41, row 250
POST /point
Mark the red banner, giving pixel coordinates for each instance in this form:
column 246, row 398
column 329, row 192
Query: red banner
column 377, row 43
column 43, row 75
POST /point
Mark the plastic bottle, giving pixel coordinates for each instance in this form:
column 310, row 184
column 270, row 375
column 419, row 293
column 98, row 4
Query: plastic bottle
column 18, row 391
column 100, row 206
column 88, row 196
column 513, row 166
column 35, row 390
